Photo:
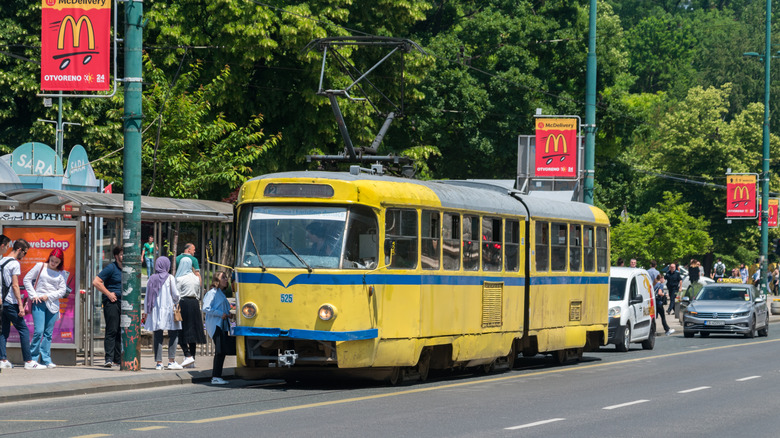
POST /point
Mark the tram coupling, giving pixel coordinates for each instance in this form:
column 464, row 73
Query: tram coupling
column 287, row 359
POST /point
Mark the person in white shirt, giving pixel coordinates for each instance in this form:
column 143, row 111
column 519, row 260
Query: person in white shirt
column 13, row 310
column 191, row 321
column 45, row 286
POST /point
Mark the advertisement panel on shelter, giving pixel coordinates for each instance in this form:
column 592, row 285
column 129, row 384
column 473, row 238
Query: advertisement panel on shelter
column 773, row 204
column 741, row 195
column 556, row 147
column 42, row 241
column 75, row 45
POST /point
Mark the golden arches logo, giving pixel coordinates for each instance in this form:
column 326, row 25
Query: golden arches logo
column 741, row 193
column 75, row 27
column 555, row 139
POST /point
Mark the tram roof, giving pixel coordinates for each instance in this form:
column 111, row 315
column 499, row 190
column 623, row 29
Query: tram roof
column 111, row 205
column 491, row 196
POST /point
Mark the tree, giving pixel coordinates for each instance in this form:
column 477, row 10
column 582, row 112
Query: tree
column 667, row 233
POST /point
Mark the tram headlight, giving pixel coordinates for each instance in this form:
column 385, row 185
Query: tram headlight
column 249, row 310
column 326, row 312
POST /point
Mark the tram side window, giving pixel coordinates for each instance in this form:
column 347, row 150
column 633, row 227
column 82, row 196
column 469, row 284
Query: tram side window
column 601, row 249
column 431, row 240
column 542, row 246
column 575, row 247
column 362, row 247
column 401, row 238
column 451, row 248
column 471, row 243
column 558, row 247
column 512, row 246
column 589, row 249
column 491, row 244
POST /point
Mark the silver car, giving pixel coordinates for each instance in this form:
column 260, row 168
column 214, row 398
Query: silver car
column 726, row 308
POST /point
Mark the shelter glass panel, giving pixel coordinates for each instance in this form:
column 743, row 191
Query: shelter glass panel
column 558, row 247
column 451, row 247
column 512, row 246
column 471, row 243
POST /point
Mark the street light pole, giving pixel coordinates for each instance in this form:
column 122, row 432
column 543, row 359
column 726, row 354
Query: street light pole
column 765, row 162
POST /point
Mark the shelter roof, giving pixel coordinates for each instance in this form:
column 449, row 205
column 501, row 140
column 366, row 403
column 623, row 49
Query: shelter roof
column 111, row 205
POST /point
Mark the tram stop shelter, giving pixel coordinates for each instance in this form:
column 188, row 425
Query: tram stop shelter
column 87, row 226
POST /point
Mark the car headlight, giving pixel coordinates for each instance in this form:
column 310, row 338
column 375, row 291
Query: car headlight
column 614, row 312
column 741, row 314
column 326, row 312
column 249, row 310
column 690, row 311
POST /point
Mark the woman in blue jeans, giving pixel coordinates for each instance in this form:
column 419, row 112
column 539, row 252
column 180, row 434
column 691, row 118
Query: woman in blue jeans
column 45, row 285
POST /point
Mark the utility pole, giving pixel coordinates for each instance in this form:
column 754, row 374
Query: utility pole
column 590, row 109
column 131, row 171
column 765, row 161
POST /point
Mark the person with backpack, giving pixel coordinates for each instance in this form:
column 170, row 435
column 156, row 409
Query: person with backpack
column 13, row 310
column 45, row 285
column 718, row 270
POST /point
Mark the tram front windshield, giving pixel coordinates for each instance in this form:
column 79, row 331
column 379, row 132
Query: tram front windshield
column 308, row 237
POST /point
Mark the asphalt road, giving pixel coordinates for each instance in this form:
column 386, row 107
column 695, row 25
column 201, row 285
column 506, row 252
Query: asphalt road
column 716, row 386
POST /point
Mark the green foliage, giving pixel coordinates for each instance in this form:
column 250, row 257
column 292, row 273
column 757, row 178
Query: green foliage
column 666, row 233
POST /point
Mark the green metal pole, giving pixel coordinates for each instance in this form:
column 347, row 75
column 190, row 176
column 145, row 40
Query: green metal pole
column 131, row 234
column 765, row 167
column 59, row 146
column 590, row 109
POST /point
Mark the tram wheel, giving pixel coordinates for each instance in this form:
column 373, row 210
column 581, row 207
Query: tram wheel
column 396, row 376
column 424, row 364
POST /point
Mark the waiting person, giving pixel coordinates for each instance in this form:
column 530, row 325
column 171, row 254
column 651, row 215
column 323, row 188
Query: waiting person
column 653, row 272
column 632, row 263
column 660, row 301
column 694, row 271
column 148, row 256
column 217, row 310
column 162, row 296
column 45, row 285
column 673, row 280
column 13, row 310
column 189, row 252
column 109, row 283
column 620, row 262
column 4, row 241
column 191, row 320
column 718, row 270
column 743, row 273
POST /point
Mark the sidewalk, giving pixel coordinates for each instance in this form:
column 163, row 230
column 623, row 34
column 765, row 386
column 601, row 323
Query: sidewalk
column 20, row 384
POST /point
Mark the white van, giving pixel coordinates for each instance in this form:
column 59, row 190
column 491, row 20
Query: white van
column 631, row 308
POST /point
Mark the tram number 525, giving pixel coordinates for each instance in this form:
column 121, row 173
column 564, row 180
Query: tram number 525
column 286, row 298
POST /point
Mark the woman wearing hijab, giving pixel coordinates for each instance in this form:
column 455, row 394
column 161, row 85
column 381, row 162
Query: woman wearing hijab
column 45, row 285
column 161, row 299
column 191, row 320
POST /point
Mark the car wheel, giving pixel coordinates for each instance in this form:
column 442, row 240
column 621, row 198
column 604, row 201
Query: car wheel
column 688, row 334
column 626, row 342
column 765, row 331
column 704, row 334
column 752, row 333
column 649, row 343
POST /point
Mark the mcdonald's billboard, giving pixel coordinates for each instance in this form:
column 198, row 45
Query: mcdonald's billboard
column 773, row 204
column 556, row 147
column 741, row 195
column 75, row 45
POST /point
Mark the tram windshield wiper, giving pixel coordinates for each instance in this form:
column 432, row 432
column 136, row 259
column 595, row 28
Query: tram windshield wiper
column 259, row 259
column 294, row 253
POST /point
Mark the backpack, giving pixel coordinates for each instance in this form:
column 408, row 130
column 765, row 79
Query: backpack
column 720, row 268
column 6, row 287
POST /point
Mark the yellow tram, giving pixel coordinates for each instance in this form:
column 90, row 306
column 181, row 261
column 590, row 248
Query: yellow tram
column 389, row 277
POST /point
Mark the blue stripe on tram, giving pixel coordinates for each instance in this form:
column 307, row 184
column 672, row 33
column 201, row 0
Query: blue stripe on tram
column 414, row 279
column 316, row 335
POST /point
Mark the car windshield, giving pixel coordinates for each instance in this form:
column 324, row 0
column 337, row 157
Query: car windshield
column 724, row 294
column 303, row 236
column 617, row 288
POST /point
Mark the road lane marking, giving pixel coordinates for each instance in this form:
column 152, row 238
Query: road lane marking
column 537, row 423
column 748, row 378
column 36, row 421
column 623, row 405
column 145, row 429
column 94, row 435
column 453, row 385
column 685, row 391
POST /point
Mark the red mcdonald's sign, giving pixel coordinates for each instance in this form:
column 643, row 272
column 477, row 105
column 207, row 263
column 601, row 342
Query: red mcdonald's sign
column 773, row 204
column 75, row 45
column 556, row 147
column 741, row 195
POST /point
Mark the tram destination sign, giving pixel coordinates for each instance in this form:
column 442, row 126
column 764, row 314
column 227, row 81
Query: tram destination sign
column 75, row 45
column 556, row 147
column 741, row 196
